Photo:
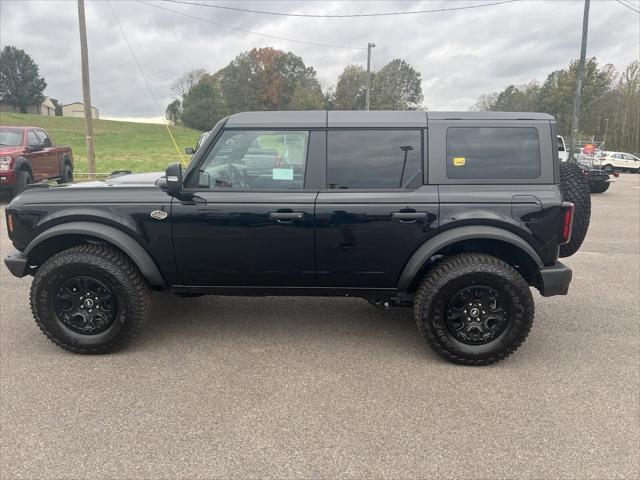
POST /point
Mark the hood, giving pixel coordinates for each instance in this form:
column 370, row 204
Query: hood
column 135, row 179
column 6, row 150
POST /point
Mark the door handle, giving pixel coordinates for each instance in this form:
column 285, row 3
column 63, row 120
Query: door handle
column 408, row 217
column 285, row 217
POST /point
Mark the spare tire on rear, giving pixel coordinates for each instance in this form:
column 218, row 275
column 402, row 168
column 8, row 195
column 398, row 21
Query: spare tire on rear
column 575, row 189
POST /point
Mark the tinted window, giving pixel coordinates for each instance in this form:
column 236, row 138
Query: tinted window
column 255, row 159
column 374, row 159
column 493, row 152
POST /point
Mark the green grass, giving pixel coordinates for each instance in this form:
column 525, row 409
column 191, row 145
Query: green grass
column 139, row 147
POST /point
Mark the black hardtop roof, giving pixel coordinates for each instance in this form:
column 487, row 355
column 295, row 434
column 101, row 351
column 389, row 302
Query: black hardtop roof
column 361, row 118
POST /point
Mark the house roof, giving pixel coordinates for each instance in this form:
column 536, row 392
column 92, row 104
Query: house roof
column 78, row 103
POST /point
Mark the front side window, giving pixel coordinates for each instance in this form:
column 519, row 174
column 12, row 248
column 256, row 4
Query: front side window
column 44, row 138
column 493, row 153
column 255, row 159
column 32, row 139
column 374, row 159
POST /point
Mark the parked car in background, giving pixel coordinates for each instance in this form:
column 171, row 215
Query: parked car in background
column 610, row 161
column 563, row 153
column 27, row 155
column 599, row 181
column 192, row 150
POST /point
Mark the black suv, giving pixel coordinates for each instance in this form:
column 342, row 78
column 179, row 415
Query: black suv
column 454, row 214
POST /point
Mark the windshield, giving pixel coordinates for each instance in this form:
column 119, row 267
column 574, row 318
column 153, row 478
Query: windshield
column 11, row 137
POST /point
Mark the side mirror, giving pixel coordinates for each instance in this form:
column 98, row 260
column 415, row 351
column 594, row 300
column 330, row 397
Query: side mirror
column 173, row 179
column 189, row 150
column 36, row 147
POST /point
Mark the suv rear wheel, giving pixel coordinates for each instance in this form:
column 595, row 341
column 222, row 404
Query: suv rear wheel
column 90, row 299
column 474, row 309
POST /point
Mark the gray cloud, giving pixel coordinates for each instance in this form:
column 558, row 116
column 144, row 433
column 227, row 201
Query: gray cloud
column 461, row 55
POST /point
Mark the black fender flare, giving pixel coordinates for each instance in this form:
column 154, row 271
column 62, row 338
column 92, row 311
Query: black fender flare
column 19, row 164
column 455, row 235
column 112, row 235
column 64, row 158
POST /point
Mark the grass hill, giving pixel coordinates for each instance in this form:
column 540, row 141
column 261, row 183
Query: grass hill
column 139, row 147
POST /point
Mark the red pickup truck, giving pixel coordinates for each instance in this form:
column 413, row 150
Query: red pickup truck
column 27, row 155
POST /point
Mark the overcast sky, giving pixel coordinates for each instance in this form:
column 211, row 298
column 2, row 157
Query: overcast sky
column 460, row 54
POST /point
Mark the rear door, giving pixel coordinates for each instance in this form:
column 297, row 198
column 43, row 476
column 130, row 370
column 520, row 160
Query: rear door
column 375, row 211
column 631, row 162
column 243, row 225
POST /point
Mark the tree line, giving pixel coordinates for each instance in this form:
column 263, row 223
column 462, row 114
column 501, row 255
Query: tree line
column 610, row 102
column 270, row 79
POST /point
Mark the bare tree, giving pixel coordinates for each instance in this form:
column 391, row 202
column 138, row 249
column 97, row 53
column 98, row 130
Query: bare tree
column 186, row 82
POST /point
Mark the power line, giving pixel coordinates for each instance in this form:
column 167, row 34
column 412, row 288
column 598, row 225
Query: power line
column 354, row 15
column 146, row 82
column 303, row 42
column 628, row 6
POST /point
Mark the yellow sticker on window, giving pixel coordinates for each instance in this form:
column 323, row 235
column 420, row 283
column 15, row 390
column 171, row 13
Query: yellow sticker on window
column 459, row 161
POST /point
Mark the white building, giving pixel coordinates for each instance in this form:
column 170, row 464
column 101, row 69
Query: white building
column 76, row 109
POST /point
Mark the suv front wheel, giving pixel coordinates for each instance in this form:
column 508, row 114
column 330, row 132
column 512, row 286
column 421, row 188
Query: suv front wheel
column 474, row 309
column 90, row 299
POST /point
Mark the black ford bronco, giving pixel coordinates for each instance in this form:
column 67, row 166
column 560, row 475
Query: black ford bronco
column 454, row 214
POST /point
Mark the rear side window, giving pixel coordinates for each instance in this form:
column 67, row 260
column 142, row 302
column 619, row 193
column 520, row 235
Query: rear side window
column 493, row 153
column 374, row 159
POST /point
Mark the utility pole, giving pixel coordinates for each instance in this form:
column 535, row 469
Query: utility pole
column 369, row 47
column 606, row 128
column 575, row 124
column 86, row 93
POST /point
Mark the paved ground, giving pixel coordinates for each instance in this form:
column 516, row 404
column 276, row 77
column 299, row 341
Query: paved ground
column 324, row 388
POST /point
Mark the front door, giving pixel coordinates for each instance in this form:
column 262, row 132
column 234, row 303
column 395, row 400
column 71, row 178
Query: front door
column 247, row 219
column 37, row 157
column 50, row 157
column 376, row 211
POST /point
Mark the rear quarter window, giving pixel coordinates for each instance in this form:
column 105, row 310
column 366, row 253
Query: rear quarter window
column 493, row 153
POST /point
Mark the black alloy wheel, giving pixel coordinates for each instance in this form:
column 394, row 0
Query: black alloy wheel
column 475, row 315
column 85, row 305
column 90, row 299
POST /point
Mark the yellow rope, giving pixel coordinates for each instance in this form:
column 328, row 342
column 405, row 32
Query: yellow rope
column 175, row 144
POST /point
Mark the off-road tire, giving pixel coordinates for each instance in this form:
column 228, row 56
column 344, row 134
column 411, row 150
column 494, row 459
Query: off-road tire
column 599, row 187
column 455, row 273
column 67, row 174
column 111, row 267
column 23, row 178
column 575, row 189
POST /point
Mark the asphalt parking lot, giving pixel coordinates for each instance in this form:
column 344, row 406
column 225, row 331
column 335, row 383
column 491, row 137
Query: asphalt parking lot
column 224, row 387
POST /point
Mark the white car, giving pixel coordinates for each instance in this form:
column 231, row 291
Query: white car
column 610, row 161
column 563, row 153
